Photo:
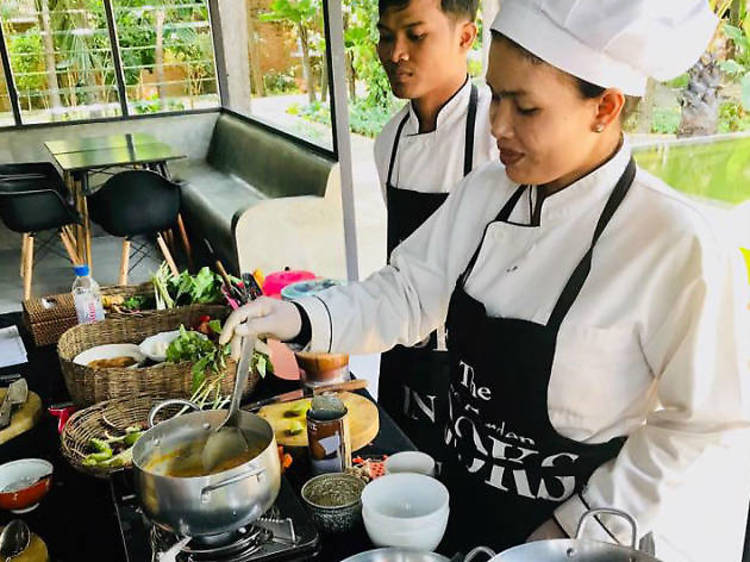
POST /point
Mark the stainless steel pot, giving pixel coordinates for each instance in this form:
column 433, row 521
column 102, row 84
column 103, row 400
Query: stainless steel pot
column 573, row 550
column 396, row 555
column 204, row 505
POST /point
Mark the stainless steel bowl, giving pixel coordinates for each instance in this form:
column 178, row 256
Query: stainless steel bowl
column 205, row 505
column 396, row 555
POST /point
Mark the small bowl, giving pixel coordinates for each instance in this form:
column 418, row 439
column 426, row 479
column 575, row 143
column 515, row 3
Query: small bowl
column 406, row 510
column 24, row 483
column 414, row 462
column 334, row 501
column 148, row 347
column 110, row 351
column 306, row 288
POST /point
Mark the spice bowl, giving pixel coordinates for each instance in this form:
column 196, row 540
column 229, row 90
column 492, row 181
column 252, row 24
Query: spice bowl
column 334, row 501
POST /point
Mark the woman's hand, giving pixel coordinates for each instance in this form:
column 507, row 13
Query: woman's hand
column 550, row 529
column 265, row 317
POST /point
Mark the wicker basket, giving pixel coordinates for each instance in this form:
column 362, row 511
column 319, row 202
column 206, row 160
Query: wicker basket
column 111, row 416
column 88, row 385
column 47, row 318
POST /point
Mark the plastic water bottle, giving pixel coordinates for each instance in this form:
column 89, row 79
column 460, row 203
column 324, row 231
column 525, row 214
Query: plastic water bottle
column 87, row 297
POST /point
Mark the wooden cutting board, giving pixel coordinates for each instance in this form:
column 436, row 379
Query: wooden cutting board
column 35, row 552
column 24, row 417
column 364, row 421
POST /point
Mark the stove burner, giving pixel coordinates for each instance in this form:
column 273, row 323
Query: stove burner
column 240, row 545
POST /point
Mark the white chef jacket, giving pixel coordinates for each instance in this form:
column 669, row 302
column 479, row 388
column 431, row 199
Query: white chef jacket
column 655, row 347
column 434, row 162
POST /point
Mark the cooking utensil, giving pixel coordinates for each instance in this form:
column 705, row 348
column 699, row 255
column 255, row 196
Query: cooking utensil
column 305, row 393
column 16, row 394
column 227, row 440
column 14, row 539
column 576, row 549
column 251, row 287
column 203, row 505
column 396, row 555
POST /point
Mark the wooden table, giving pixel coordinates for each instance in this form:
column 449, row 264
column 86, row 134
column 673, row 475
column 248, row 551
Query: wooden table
column 79, row 157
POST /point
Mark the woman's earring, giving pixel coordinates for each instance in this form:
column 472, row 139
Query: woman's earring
column 599, row 128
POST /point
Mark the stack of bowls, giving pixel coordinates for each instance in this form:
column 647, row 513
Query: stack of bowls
column 406, row 510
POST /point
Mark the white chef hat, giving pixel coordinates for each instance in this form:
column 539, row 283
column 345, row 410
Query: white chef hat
column 611, row 43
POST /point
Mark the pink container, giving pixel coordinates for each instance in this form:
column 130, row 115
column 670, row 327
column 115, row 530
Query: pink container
column 279, row 279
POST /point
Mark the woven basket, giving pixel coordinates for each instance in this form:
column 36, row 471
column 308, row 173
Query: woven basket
column 111, row 416
column 47, row 318
column 88, row 385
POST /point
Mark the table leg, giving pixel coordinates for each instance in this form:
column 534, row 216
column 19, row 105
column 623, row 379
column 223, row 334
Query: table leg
column 84, row 188
column 72, row 186
column 167, row 255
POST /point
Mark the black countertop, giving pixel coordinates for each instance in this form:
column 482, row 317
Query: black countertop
column 78, row 519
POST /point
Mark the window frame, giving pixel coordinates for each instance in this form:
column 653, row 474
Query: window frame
column 220, row 69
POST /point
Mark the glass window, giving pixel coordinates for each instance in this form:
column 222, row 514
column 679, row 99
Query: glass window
column 6, row 112
column 167, row 55
column 276, row 60
column 61, row 59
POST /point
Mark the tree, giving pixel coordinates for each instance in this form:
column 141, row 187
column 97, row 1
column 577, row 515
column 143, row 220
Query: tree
column 49, row 54
column 700, row 98
column 304, row 15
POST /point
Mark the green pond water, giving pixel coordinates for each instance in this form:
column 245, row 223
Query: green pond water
column 718, row 170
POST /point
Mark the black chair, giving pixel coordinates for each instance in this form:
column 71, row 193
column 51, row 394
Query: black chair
column 136, row 202
column 33, row 199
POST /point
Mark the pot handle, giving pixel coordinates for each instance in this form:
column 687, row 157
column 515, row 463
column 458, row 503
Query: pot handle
column 174, row 401
column 205, row 492
column 479, row 550
column 609, row 511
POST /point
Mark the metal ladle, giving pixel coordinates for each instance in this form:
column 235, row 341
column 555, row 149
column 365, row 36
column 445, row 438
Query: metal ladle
column 14, row 539
column 227, row 441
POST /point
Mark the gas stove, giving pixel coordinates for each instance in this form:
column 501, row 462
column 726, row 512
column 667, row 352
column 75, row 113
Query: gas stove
column 284, row 533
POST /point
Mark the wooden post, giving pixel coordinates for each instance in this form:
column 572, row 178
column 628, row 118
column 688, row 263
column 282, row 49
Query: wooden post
column 185, row 241
column 167, row 255
column 28, row 266
column 24, row 242
column 124, row 262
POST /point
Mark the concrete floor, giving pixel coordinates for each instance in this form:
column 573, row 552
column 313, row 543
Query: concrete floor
column 53, row 272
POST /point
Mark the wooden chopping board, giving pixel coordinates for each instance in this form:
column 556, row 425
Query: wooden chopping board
column 24, row 417
column 35, row 552
column 364, row 421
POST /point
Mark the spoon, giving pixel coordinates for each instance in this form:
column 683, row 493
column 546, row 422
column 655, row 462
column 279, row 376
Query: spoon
column 14, row 539
column 227, row 441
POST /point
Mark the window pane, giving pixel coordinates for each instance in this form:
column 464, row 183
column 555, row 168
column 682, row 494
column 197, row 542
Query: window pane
column 61, row 59
column 167, row 54
column 277, row 72
column 6, row 111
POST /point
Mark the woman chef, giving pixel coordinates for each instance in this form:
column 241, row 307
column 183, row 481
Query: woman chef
column 594, row 319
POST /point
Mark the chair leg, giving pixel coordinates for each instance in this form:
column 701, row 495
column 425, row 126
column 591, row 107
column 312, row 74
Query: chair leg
column 124, row 262
column 28, row 266
column 185, row 241
column 167, row 255
column 69, row 248
column 24, row 243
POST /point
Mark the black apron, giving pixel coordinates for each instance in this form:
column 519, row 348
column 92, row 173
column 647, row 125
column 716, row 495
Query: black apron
column 413, row 385
column 507, row 468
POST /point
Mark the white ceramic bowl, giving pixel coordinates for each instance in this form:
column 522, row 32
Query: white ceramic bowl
column 410, row 461
column 110, row 351
column 155, row 347
column 406, row 510
column 423, row 537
